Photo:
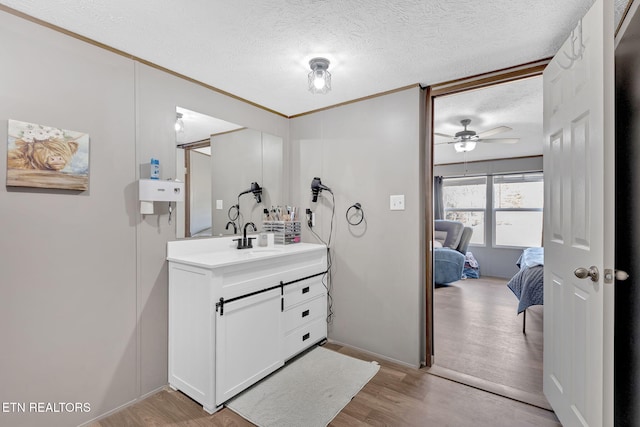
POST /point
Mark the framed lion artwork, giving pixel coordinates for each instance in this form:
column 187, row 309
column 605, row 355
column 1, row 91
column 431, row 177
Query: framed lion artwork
column 47, row 157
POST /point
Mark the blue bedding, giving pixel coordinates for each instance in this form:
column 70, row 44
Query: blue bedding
column 531, row 257
column 528, row 283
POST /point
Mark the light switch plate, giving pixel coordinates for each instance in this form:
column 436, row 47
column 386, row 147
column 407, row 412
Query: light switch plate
column 218, row 204
column 396, row 202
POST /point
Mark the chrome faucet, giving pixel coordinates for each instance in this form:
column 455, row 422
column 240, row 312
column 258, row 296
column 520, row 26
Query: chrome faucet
column 235, row 227
column 248, row 242
column 244, row 242
column 245, row 229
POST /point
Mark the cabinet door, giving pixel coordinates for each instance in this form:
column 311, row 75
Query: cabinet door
column 248, row 342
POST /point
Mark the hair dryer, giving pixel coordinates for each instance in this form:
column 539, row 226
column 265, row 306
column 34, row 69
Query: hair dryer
column 256, row 190
column 317, row 187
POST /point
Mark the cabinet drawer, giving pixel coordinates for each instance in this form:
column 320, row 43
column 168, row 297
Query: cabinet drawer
column 303, row 291
column 304, row 337
column 298, row 315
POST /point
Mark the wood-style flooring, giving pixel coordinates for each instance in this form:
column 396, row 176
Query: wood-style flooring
column 479, row 334
column 396, row 396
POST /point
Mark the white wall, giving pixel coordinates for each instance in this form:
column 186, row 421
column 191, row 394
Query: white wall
column 68, row 265
column 366, row 152
column 494, row 262
column 83, row 291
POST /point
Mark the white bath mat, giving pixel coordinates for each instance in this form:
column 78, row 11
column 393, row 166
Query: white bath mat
column 309, row 391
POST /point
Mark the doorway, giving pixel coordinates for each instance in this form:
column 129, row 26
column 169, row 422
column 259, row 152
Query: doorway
column 197, row 177
column 477, row 335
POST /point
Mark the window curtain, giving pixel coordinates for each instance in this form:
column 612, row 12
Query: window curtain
column 438, row 198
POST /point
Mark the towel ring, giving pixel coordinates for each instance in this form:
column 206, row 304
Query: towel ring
column 357, row 207
column 231, row 216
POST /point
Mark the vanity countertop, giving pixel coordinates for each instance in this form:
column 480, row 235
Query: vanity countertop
column 221, row 252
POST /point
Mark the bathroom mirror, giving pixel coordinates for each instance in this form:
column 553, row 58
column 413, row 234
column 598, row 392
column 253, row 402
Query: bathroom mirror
column 218, row 160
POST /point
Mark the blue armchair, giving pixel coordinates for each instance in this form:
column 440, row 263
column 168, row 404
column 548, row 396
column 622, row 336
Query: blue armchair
column 448, row 260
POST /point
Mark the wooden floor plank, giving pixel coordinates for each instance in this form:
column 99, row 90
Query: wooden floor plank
column 478, row 333
column 396, row 396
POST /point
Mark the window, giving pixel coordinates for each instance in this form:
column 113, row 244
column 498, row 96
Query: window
column 512, row 203
column 517, row 209
column 465, row 200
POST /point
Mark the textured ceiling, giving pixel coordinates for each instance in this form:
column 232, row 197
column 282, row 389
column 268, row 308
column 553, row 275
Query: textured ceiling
column 259, row 50
column 517, row 105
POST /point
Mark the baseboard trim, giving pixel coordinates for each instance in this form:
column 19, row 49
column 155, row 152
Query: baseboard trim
column 124, row 406
column 374, row 355
column 532, row 399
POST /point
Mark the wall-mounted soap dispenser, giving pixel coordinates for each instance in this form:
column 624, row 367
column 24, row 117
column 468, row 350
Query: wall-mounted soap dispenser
column 153, row 190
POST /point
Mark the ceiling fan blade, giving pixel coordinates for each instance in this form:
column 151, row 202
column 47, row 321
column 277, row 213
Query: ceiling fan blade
column 494, row 131
column 443, row 135
column 445, row 142
column 500, row 140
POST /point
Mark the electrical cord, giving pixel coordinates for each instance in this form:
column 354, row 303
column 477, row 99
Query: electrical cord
column 327, row 279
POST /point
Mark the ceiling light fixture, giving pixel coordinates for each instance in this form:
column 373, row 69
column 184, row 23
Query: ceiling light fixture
column 319, row 77
column 464, row 146
column 179, row 126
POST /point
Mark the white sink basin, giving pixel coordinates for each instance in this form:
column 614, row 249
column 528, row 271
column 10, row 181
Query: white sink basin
column 264, row 251
column 221, row 252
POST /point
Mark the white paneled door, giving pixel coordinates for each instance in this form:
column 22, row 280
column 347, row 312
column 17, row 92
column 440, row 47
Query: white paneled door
column 578, row 223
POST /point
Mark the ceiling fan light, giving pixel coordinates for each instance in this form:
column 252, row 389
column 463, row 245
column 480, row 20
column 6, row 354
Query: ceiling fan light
column 319, row 77
column 464, row 146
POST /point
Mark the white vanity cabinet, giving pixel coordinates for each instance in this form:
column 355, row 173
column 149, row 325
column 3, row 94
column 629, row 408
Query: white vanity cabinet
column 248, row 336
column 235, row 316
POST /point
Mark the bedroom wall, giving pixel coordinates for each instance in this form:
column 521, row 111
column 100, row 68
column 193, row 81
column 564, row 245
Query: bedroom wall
column 495, row 262
column 84, row 282
column 365, row 152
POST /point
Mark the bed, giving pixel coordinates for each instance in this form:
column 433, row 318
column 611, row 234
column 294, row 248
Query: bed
column 528, row 283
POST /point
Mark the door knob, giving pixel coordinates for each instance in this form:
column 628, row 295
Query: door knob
column 583, row 273
column 621, row 275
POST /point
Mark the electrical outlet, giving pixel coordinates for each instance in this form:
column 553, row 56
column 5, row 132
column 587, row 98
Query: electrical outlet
column 218, row 204
column 396, row 202
column 309, row 218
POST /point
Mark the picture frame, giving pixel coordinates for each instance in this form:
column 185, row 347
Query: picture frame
column 47, row 157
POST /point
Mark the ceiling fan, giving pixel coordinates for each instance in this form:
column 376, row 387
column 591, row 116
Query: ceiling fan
column 466, row 139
